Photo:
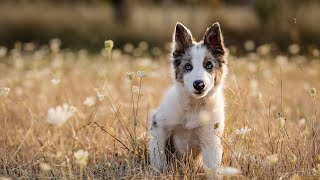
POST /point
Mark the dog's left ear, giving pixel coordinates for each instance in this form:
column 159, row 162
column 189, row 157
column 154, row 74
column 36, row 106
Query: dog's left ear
column 213, row 39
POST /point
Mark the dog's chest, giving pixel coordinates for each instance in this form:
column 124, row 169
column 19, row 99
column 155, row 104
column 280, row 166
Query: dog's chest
column 190, row 119
column 186, row 139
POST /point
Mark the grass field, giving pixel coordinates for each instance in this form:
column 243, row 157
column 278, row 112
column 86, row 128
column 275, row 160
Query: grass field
column 101, row 133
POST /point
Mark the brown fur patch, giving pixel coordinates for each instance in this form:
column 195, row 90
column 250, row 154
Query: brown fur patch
column 218, row 76
column 179, row 60
column 217, row 70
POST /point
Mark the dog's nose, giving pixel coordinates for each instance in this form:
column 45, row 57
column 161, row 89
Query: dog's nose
column 199, row 85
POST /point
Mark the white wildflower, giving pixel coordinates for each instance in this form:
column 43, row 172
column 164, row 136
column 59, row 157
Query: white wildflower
column 55, row 81
column 100, row 96
column 45, row 167
column 315, row 52
column 243, row 131
column 137, row 52
column 302, row 122
column 282, row 60
column 55, row 45
column 4, row 91
column 90, row 101
column 81, row 157
column 272, row 158
column 229, row 171
column 143, row 45
column 141, row 74
column 3, row 51
column 156, row 51
column 128, row 48
column 294, row 49
column 249, row 45
column 59, row 115
column 264, row 49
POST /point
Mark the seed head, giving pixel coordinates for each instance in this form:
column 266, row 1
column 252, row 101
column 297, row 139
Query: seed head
column 81, row 157
column 4, row 91
column 108, row 44
column 293, row 158
column 282, row 122
column 130, row 75
column 243, row 131
column 313, row 92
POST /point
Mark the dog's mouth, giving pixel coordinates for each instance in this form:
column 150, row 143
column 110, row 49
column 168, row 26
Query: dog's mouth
column 199, row 94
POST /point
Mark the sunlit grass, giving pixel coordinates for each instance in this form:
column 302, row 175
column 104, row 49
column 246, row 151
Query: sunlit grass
column 272, row 126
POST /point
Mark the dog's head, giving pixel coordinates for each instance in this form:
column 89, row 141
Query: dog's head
column 199, row 67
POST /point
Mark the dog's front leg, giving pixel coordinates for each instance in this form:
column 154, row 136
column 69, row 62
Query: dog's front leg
column 158, row 138
column 211, row 150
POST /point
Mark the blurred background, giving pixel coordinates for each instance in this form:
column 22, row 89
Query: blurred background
column 87, row 23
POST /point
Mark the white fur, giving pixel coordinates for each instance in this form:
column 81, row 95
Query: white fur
column 179, row 115
column 198, row 53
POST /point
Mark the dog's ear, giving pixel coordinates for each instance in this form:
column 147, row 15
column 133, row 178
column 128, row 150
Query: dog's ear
column 182, row 39
column 213, row 39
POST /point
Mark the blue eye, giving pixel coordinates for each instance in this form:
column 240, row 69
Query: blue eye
column 188, row 67
column 209, row 65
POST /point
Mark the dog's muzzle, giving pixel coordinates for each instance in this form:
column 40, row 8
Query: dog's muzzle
column 199, row 85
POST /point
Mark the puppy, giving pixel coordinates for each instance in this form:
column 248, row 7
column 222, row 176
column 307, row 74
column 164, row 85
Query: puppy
column 191, row 116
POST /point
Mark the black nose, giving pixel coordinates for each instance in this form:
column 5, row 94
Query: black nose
column 199, row 85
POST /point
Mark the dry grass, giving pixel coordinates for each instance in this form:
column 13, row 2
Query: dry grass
column 269, row 94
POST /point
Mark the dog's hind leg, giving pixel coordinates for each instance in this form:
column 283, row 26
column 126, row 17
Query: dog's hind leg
column 158, row 137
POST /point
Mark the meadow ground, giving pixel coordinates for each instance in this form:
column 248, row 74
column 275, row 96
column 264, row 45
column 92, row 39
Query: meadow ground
column 75, row 115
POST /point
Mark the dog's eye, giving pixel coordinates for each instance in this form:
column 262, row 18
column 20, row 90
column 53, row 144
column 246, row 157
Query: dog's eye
column 188, row 67
column 209, row 65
